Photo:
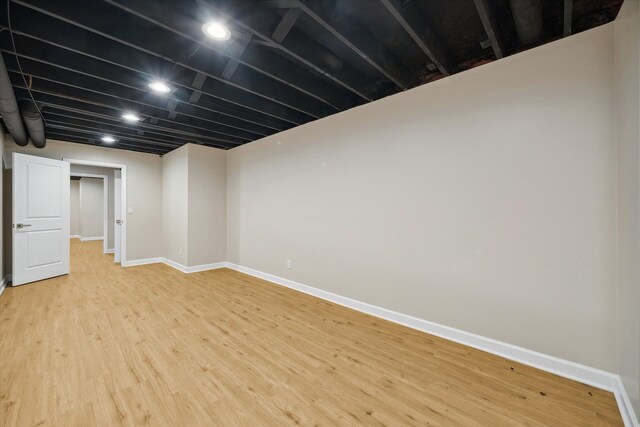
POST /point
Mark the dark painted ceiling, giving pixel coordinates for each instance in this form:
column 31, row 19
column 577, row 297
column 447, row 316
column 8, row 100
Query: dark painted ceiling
column 288, row 62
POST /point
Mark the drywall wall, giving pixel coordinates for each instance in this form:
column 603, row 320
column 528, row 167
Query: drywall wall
column 74, row 195
column 485, row 201
column 109, row 172
column 144, row 194
column 627, row 78
column 194, row 205
column 207, row 205
column 175, row 205
column 92, row 208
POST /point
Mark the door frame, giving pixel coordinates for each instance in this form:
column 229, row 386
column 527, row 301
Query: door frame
column 123, row 194
column 105, row 203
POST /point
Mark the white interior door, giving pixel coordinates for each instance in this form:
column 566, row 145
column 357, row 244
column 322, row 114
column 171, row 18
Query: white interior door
column 117, row 215
column 41, row 218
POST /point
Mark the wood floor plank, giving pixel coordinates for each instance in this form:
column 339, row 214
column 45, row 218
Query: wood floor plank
column 150, row 345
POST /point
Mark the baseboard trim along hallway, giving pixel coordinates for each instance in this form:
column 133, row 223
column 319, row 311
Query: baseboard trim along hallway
column 555, row 365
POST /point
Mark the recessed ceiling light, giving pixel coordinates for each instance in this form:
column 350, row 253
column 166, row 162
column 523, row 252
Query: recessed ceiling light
column 108, row 139
column 159, row 86
column 130, row 117
column 216, row 30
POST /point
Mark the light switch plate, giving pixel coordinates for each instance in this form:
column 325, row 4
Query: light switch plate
column 129, row 210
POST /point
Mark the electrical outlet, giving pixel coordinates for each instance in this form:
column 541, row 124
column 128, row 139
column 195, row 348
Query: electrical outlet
column 288, row 263
column 179, row 251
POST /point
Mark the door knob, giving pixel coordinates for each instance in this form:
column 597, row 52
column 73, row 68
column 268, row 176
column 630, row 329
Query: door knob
column 21, row 225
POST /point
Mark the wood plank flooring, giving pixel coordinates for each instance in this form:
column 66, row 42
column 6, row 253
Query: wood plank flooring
column 149, row 345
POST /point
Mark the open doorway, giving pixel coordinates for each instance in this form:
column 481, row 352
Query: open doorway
column 89, row 198
column 97, row 198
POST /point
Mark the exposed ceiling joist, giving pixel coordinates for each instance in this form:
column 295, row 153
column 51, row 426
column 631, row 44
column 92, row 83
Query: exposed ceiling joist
column 262, row 62
column 307, row 52
column 50, row 92
column 568, row 17
column 161, row 47
column 134, row 97
column 104, row 112
column 358, row 39
column 421, row 34
column 286, row 24
column 490, row 24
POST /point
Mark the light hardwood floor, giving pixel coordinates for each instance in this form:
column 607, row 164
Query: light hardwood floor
column 150, row 345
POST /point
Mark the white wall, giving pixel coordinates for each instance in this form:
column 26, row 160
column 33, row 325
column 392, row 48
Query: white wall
column 74, row 195
column 627, row 77
column 109, row 172
column 207, row 200
column 144, row 192
column 175, row 205
column 485, row 201
column 194, row 205
column 91, row 208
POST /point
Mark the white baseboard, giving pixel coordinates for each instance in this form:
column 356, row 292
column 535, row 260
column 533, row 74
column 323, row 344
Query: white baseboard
column 88, row 239
column 75, row 236
column 564, row 368
column 110, row 251
column 195, row 268
column 135, row 262
column 177, row 266
column 3, row 283
column 629, row 416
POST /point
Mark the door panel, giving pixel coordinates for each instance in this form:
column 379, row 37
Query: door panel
column 40, row 218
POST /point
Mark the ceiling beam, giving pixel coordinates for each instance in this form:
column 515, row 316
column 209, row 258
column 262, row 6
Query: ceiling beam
column 488, row 18
column 272, row 116
column 129, row 99
column 357, row 38
column 238, row 47
column 75, row 65
column 415, row 25
column 96, row 109
column 98, row 131
column 303, row 49
column 568, row 17
column 167, row 49
column 286, row 24
column 40, row 92
column 266, row 63
column 70, row 136
column 53, row 111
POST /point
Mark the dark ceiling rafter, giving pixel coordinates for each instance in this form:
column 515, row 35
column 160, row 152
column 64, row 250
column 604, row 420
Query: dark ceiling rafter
column 422, row 35
column 105, row 127
column 66, row 125
column 307, row 52
column 55, row 52
column 98, row 110
column 106, row 124
column 257, row 85
column 568, row 18
column 102, row 74
column 270, row 65
column 286, row 63
column 355, row 37
column 276, row 118
column 238, row 48
column 39, row 93
column 71, row 136
column 490, row 23
column 84, row 87
column 286, row 24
